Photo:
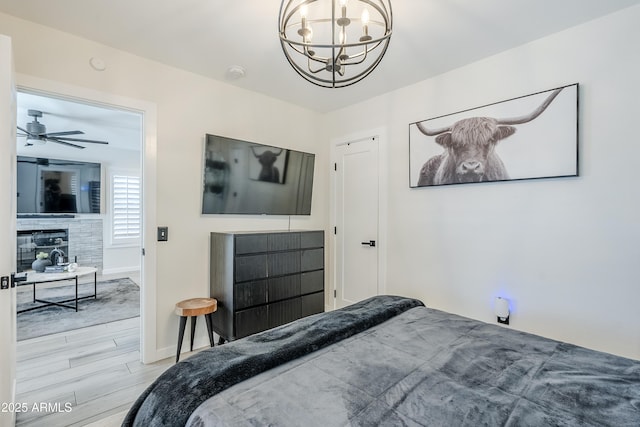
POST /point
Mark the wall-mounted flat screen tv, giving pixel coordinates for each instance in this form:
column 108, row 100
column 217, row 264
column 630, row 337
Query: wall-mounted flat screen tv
column 242, row 177
column 55, row 186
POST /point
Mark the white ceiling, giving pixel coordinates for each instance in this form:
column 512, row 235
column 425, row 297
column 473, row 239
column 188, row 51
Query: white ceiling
column 430, row 37
column 206, row 36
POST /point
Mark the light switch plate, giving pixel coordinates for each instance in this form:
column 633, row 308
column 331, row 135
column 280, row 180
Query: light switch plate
column 163, row 234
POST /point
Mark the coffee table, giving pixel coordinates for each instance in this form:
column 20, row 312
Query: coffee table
column 35, row 279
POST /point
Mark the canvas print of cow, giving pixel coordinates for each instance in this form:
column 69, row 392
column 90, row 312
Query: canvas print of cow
column 533, row 136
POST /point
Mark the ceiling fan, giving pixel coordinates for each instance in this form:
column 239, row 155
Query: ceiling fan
column 37, row 132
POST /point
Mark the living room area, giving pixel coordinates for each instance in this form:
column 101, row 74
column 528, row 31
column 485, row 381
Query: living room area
column 78, row 215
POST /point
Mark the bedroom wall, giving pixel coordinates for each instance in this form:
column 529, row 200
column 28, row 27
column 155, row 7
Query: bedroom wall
column 188, row 107
column 565, row 251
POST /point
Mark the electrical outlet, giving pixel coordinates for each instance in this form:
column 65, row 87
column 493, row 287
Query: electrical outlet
column 503, row 320
column 4, row 282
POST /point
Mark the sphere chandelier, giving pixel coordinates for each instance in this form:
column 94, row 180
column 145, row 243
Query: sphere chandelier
column 335, row 43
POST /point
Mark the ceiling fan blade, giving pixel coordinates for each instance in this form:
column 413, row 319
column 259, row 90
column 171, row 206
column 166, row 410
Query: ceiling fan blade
column 82, row 140
column 69, row 132
column 23, row 130
column 21, row 134
column 57, row 141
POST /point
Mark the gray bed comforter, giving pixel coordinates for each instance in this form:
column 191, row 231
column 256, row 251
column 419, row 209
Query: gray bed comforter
column 424, row 367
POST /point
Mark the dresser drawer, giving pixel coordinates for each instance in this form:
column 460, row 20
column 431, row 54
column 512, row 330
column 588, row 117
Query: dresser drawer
column 250, row 243
column 250, row 267
column 283, row 241
column 251, row 321
column 284, row 312
column 281, row 263
column 248, row 294
column 311, row 259
column 312, row 281
column 312, row 239
column 311, row 304
column 284, row 287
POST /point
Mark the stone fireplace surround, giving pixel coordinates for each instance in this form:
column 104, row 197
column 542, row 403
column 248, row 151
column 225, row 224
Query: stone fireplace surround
column 85, row 236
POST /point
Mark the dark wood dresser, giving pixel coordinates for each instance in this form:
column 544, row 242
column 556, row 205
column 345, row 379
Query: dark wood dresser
column 265, row 279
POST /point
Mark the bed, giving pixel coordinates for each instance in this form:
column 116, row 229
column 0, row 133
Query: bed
column 392, row 361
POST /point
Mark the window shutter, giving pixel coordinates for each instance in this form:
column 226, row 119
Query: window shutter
column 126, row 207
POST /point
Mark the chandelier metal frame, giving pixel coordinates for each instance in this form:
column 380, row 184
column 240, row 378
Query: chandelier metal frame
column 337, row 62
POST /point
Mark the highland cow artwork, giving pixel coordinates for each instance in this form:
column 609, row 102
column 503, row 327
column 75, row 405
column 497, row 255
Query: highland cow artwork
column 533, row 136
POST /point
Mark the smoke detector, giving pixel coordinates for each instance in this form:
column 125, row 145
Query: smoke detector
column 235, row 72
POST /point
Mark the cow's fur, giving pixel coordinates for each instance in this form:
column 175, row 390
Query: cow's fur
column 469, row 154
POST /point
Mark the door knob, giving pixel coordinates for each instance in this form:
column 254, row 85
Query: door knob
column 371, row 243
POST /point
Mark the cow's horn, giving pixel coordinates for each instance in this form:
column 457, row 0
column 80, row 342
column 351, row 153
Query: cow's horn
column 533, row 115
column 432, row 132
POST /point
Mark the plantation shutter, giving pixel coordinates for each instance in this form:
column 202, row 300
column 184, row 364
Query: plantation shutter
column 126, row 207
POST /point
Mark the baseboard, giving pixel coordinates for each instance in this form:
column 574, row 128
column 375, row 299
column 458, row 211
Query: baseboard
column 200, row 343
column 120, row 270
column 163, row 353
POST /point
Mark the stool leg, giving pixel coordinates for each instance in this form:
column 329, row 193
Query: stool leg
column 207, row 317
column 183, row 323
column 193, row 329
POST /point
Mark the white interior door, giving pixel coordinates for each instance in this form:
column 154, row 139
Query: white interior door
column 7, row 233
column 356, row 203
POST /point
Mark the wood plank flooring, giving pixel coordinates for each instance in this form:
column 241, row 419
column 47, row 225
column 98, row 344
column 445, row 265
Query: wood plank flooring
column 85, row 377
column 94, row 374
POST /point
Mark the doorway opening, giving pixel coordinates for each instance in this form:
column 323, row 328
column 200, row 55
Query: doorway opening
column 104, row 223
column 67, row 368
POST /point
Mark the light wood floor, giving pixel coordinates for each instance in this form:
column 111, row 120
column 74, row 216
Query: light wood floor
column 96, row 371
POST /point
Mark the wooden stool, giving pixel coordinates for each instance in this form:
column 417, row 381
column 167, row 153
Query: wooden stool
column 193, row 308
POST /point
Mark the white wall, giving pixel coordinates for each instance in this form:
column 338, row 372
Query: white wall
column 188, row 107
column 564, row 250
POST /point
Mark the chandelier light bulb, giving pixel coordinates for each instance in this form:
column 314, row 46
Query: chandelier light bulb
column 305, row 30
column 365, row 26
column 365, row 17
column 343, row 21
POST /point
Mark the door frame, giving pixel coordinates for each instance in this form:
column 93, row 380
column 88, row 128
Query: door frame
column 8, row 221
column 148, row 110
column 381, row 134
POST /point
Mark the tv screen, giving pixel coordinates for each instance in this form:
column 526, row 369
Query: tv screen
column 54, row 186
column 242, row 177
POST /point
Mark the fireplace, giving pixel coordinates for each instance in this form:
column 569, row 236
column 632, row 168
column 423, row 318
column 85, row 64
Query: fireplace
column 85, row 242
column 32, row 242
